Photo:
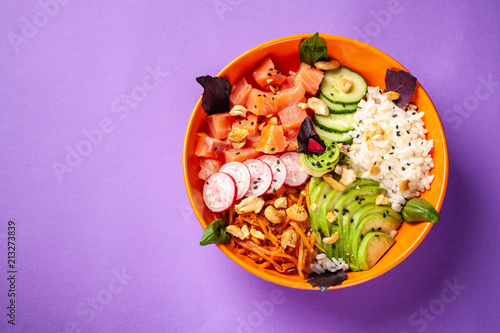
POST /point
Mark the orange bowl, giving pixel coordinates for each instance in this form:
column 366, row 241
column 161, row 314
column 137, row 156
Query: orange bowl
column 372, row 64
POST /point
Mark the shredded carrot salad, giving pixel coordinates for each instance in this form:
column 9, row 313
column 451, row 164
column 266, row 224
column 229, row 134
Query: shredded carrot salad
column 288, row 247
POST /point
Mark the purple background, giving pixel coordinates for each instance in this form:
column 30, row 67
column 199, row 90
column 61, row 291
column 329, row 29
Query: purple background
column 110, row 243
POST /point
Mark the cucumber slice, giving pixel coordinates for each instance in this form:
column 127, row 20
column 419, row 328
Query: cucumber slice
column 338, row 123
column 337, row 107
column 337, row 137
column 330, row 86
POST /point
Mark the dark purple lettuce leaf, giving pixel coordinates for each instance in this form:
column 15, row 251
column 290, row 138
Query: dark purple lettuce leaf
column 401, row 82
column 327, row 279
column 307, row 132
column 215, row 98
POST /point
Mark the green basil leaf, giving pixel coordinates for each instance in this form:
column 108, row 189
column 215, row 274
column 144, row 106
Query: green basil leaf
column 420, row 210
column 313, row 49
column 215, row 233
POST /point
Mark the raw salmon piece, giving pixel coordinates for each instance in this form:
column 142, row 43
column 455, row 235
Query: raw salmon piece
column 240, row 155
column 261, row 103
column 310, row 77
column 290, row 96
column 240, row 92
column 292, row 117
column 208, row 166
column 250, row 123
column 219, row 125
column 267, row 74
column 272, row 139
column 207, row 146
column 291, row 139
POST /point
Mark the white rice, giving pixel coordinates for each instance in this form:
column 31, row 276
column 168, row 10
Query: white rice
column 402, row 129
column 323, row 264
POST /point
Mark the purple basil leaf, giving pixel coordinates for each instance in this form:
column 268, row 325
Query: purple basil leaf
column 327, row 279
column 215, row 98
column 307, row 132
column 401, row 82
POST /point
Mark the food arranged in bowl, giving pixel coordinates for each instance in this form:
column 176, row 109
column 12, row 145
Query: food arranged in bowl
column 307, row 172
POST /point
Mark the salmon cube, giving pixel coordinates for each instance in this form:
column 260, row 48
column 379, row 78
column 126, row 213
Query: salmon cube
column 292, row 117
column 207, row 146
column 219, row 125
column 240, row 92
column 208, row 166
column 240, row 155
column 250, row 123
column 267, row 74
column 310, row 77
column 261, row 103
column 272, row 140
column 290, row 96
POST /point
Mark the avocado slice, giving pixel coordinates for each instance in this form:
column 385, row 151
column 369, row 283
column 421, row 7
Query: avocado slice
column 370, row 223
column 316, row 197
column 341, row 210
column 373, row 246
column 328, row 205
column 313, row 182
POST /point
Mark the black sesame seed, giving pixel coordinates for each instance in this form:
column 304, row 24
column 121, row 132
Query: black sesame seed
column 379, row 228
column 208, row 183
column 239, row 122
column 409, row 144
column 398, row 134
column 259, row 178
column 255, row 187
column 324, row 196
column 408, row 164
column 407, row 132
column 394, row 115
column 277, row 169
column 264, row 95
column 373, row 229
column 255, row 182
column 255, row 106
column 392, row 147
column 251, row 123
column 336, row 210
column 352, row 220
column 215, row 148
column 361, row 237
column 390, row 167
column 376, row 235
column 397, row 126
column 403, row 168
column 237, row 153
column 277, row 161
column 272, row 149
column 269, row 74
column 384, row 215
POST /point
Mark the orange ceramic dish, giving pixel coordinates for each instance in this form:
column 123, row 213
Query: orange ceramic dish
column 372, row 65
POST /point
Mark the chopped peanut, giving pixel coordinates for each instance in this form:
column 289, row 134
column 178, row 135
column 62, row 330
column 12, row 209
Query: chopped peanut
column 289, row 238
column 318, row 106
column 327, row 65
column 238, row 110
column 281, row 203
column 297, row 213
column 303, row 106
column 250, row 204
column 348, row 177
column 332, row 239
column 331, row 217
column 313, row 207
column 235, row 231
column 238, row 134
column 345, row 85
column 392, row 95
column 273, row 215
column 333, row 183
column 374, row 170
column 382, row 200
column 403, row 186
column 245, row 231
column 257, row 234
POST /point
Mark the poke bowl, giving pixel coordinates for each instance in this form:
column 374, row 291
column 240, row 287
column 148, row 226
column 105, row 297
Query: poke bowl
column 372, row 64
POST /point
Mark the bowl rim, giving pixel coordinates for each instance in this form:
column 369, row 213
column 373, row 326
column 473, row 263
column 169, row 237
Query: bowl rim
column 254, row 270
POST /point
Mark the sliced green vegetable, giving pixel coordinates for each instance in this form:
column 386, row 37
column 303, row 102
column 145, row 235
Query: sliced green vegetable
column 313, row 49
column 215, row 233
column 420, row 210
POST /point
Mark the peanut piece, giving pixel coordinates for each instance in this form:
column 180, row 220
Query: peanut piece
column 403, row 186
column 392, row 95
column 332, row 239
column 280, row 203
column 297, row 213
column 274, row 216
column 333, row 183
column 238, row 110
column 382, row 200
column 374, row 170
column 327, row 65
column 235, row 231
column 318, row 106
column 345, row 85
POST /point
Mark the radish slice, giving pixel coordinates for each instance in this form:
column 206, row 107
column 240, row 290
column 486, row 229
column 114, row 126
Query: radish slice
column 219, row 192
column 261, row 177
column 278, row 169
column 241, row 176
column 295, row 175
